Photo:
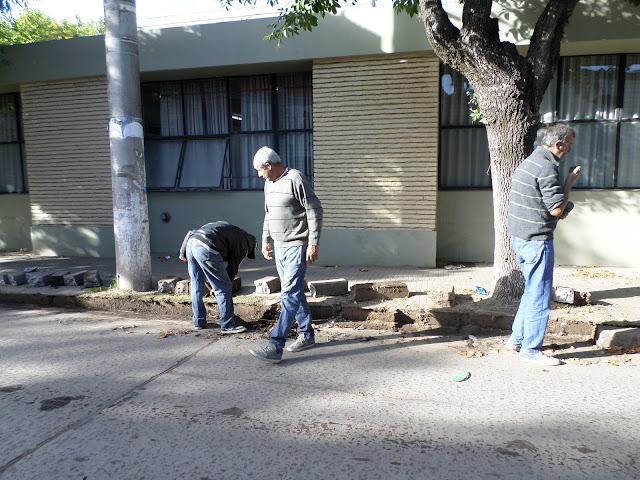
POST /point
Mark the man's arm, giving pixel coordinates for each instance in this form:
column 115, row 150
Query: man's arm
column 573, row 176
column 183, row 249
column 313, row 208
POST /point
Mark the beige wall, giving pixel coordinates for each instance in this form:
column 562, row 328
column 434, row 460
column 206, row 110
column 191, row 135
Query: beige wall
column 603, row 229
column 375, row 141
column 68, row 161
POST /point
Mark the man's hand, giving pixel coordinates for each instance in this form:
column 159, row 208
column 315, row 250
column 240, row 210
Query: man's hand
column 312, row 254
column 267, row 251
column 574, row 174
column 184, row 259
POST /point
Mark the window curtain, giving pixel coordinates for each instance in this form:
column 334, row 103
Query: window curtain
column 629, row 160
column 205, row 161
column 295, row 102
column 11, row 168
column 244, row 147
column 296, row 151
column 464, row 152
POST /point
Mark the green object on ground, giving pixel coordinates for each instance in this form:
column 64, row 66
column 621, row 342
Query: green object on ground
column 461, row 376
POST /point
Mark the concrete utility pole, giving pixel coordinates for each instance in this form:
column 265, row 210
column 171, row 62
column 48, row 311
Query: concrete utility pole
column 130, row 215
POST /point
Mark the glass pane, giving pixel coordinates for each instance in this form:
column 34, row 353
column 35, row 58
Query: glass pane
column 162, row 110
column 204, row 163
column 594, row 150
column 8, row 119
column 454, row 99
column 629, row 163
column 548, row 104
column 464, row 158
column 243, row 148
column 295, row 102
column 631, row 105
column 589, row 88
column 206, row 107
column 250, row 104
column 162, row 159
column 11, row 169
column 296, row 151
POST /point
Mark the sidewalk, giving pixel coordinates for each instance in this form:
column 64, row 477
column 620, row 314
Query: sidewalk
column 615, row 292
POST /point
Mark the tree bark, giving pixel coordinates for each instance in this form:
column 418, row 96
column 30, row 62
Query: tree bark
column 509, row 89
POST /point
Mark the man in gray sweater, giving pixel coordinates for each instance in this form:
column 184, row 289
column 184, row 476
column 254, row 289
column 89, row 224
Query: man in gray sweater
column 536, row 202
column 293, row 220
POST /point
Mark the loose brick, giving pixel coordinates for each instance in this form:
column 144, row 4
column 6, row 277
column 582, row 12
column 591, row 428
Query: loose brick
column 609, row 337
column 364, row 292
column 329, row 288
column 17, row 278
column 390, row 290
column 74, row 279
column 183, row 287
column 57, row 278
column 39, row 279
column 91, row 279
column 267, row 285
column 570, row 296
column 236, row 285
column 168, row 285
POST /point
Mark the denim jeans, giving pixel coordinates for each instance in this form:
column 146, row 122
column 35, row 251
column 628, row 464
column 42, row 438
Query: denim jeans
column 529, row 326
column 207, row 263
column 291, row 265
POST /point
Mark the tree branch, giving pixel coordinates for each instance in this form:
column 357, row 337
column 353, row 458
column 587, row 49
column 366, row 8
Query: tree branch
column 443, row 36
column 544, row 47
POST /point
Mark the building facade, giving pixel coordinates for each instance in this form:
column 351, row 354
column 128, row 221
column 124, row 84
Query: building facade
column 361, row 106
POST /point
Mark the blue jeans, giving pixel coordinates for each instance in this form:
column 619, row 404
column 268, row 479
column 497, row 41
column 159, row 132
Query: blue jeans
column 530, row 323
column 292, row 266
column 207, row 263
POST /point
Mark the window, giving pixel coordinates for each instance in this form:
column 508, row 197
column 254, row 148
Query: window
column 12, row 166
column 598, row 96
column 203, row 134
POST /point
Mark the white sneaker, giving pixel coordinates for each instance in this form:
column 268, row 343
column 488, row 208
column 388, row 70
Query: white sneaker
column 541, row 359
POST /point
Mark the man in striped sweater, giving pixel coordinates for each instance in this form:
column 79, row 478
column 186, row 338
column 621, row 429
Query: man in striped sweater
column 293, row 220
column 536, row 202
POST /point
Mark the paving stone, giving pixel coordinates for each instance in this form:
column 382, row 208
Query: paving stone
column 236, row 285
column 91, row 279
column 183, row 287
column 168, row 285
column 608, row 337
column 391, row 290
column 363, row 292
column 267, row 285
column 74, row 279
column 39, row 279
column 57, row 278
column 329, row 288
column 17, row 278
column 570, row 296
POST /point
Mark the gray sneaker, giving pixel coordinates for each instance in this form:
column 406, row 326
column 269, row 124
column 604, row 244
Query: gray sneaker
column 237, row 329
column 267, row 353
column 301, row 343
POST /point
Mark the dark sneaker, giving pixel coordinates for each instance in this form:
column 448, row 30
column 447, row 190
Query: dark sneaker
column 200, row 327
column 301, row 343
column 512, row 346
column 541, row 359
column 267, row 353
column 237, row 329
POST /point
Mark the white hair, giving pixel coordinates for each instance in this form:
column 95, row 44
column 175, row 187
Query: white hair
column 266, row 155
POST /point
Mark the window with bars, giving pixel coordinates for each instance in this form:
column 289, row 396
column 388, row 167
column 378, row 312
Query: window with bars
column 202, row 134
column 12, row 155
column 597, row 95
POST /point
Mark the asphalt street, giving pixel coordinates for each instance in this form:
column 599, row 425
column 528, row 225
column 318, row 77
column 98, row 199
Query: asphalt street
column 100, row 396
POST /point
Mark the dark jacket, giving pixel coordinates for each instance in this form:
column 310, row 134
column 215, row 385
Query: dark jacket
column 231, row 242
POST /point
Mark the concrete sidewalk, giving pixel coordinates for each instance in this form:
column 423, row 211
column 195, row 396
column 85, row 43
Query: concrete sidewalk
column 615, row 292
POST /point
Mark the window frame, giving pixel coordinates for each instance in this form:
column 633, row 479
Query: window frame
column 19, row 142
column 231, row 136
column 620, row 62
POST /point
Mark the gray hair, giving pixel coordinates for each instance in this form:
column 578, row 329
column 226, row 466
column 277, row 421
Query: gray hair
column 557, row 132
column 266, row 155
